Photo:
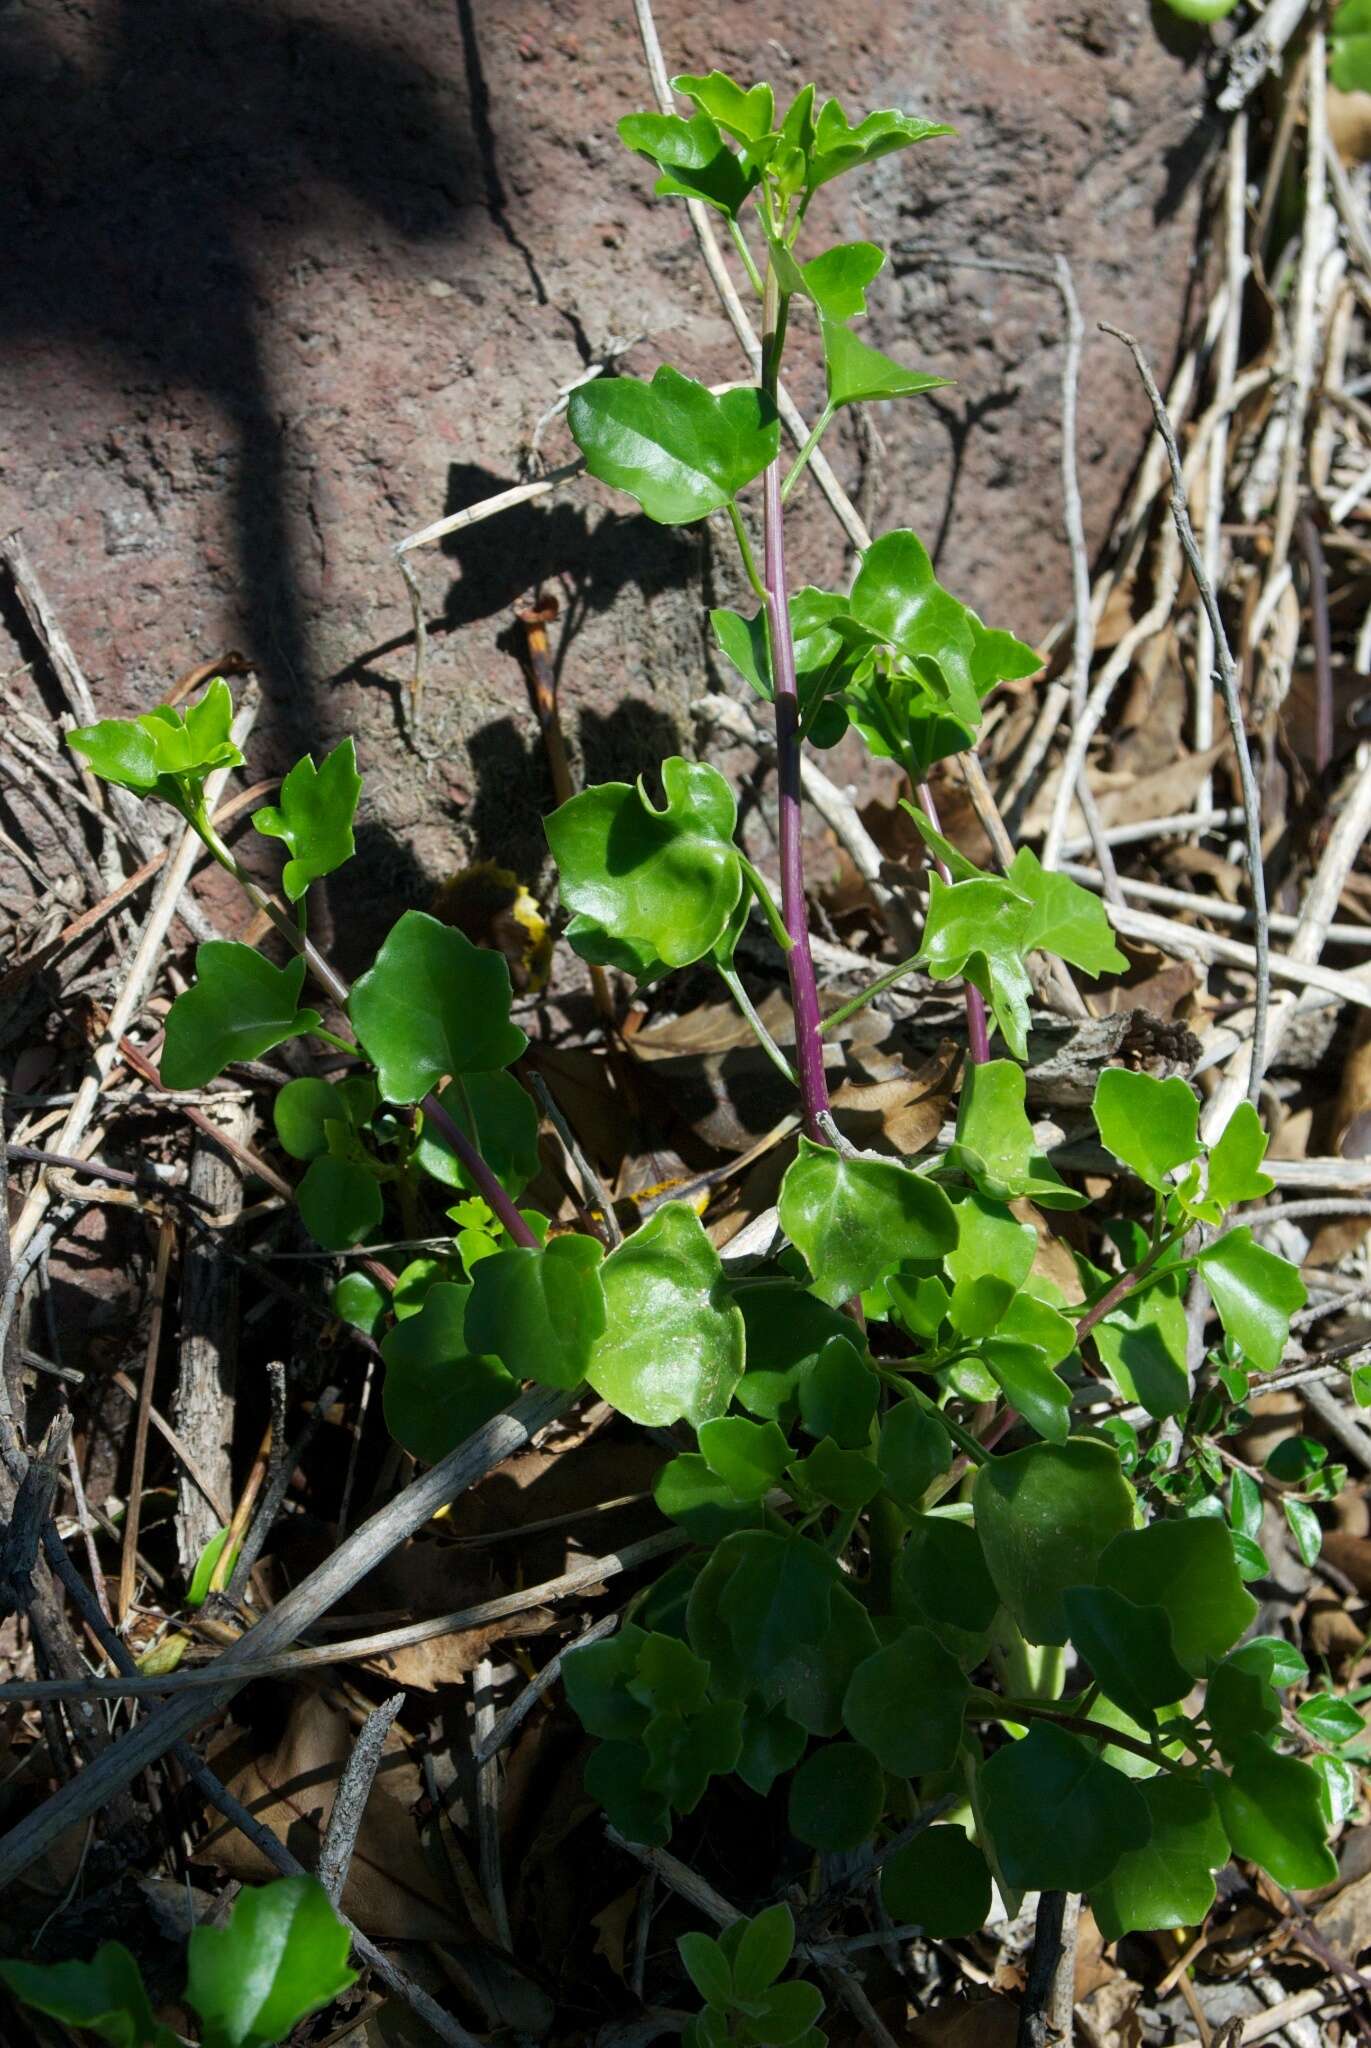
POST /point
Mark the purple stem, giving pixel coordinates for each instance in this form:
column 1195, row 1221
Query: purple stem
column 977, row 1030
column 491, row 1190
column 804, row 993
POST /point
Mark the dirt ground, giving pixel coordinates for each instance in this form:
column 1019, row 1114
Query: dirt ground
column 284, row 281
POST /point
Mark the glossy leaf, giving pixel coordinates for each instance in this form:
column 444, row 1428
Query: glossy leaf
column 1330, row 1719
column 773, row 1744
column 314, row 817
column 1235, row 1160
column 844, row 1479
column 105, row 1995
column 941, row 1579
column 688, row 1492
column 1272, row 1811
column 995, row 1145
column 838, row 1395
column 836, row 1797
column 283, row 1954
column 941, row 1883
column 673, row 1340
column 1060, row 1816
column 301, row 1110
column 856, row 371
column 540, row 1312
column 1065, row 919
column 914, row 1450
column 787, row 1331
column 854, row 1220
column 897, row 599
column 766, row 1946
column 432, row 1005
column 1144, row 1342
column 694, row 159
column 357, row 1300
column 1239, row 1704
column 1044, row 1516
column 746, row 114
column 671, row 444
column 597, row 1676
column 838, row 146
column 1128, row 1647
column 1029, row 1384
column 1186, row 1567
column 501, row 1119
column 748, row 1456
column 1305, row 1528
column 340, row 1202
column 825, row 658
column 437, row 1390
column 1255, row 1293
column 1152, row 1126
column 978, row 932
column 1169, row 1881
column 1276, row 1660
column 662, row 884
column 906, row 1705
column 837, row 280
column 164, row 749
column 779, row 1598
column 239, row 1007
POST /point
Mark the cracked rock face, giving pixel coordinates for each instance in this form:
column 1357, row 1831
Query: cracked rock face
column 287, row 279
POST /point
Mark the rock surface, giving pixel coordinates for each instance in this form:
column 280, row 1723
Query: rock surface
column 286, row 279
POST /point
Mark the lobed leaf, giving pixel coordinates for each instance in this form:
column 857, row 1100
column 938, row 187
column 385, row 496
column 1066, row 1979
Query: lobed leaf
column 433, row 1004
column 437, row 1389
column 239, row 1007
column 165, row 752
column 854, row 1220
column 1169, row 1881
column 671, row 444
column 501, row 1119
column 1152, row 1126
column 694, row 159
column 836, row 1797
column 673, row 1340
column 1255, row 1293
column 1272, row 1812
column 340, row 1202
column 856, row 371
column 1186, row 1567
column 105, row 1995
column 314, row 817
column 995, row 1145
column 541, row 1313
column 906, row 1705
column 1045, row 1516
column 1060, row 1816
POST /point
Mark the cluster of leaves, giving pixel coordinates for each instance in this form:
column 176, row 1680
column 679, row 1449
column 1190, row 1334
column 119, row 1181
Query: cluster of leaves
column 873, row 1599
column 737, row 1978
column 282, row 1955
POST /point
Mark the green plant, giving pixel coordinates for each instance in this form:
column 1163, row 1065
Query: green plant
column 736, row 1977
column 282, row 1955
column 878, row 1603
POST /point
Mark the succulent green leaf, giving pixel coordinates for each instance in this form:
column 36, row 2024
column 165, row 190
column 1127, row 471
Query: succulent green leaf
column 1186, row 1567
column 941, row 1579
column 1349, row 47
column 356, row 1299
column 1152, row 1126
column 283, row 1954
column 837, row 280
column 906, row 1705
column 991, row 1243
column 1169, row 1882
column 1255, row 1293
column 787, row 1332
column 856, row 371
column 1066, row 919
column 836, row 1797
column 597, row 1677
column 671, row 444
column 340, row 1202
column 673, row 1339
column 995, row 1146
column 825, row 658
column 1061, row 1817
column 708, row 1968
column 979, row 932
column 1305, row 1528
column 164, row 752
column 941, row 1883
column 748, row 1456
column 1235, row 1160
column 239, row 1007
column 500, row 1117
column 615, row 1778
column 437, row 1389
column 897, row 599
column 838, row 1396
column 688, row 1492
column 767, row 1943
column 854, row 1220
column 837, row 146
column 314, row 817
column 1330, row 1719
column 665, row 882
column 845, row 1479
column 694, row 159
column 686, row 1750
column 773, row 1744
column 1272, row 1812
column 778, row 1600
column 541, row 1313
column 1238, row 1704
column 1144, row 1344
column 1275, row 1660
column 1028, row 1383
column 914, row 1450
column 1128, row 1647
column 302, row 1110
column 105, row 1995
column 432, row 1005
column 1044, row 1516
column 747, row 115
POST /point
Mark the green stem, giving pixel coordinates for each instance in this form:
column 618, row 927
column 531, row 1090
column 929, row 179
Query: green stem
column 745, row 550
column 343, row 1044
column 1127, row 1283
column 770, row 908
column 754, row 276
column 973, row 1447
column 815, row 435
column 763, row 1037
column 984, row 1706
column 876, row 988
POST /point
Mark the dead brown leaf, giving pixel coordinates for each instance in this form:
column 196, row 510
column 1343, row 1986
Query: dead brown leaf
column 391, row 1891
column 1351, row 1554
column 989, row 2022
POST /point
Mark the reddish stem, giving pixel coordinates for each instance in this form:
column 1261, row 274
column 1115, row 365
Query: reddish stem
column 804, row 993
column 977, row 1029
column 490, row 1188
